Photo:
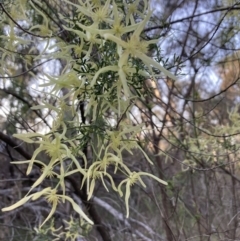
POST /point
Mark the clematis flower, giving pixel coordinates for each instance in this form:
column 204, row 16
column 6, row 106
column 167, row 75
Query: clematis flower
column 132, row 8
column 98, row 13
column 52, row 198
column 134, row 47
column 125, row 139
column 54, row 147
column 98, row 170
column 133, row 178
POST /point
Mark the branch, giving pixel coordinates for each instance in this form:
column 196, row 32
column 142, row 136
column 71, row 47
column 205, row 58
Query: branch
column 15, row 145
column 193, row 16
column 19, row 26
column 25, row 72
column 26, row 102
column 120, row 217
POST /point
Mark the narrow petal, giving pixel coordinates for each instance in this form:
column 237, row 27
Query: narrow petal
column 54, row 207
column 79, row 210
column 127, row 195
column 17, row 204
column 148, row 61
column 154, row 177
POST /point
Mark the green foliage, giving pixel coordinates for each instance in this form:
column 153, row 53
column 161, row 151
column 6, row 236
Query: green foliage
column 73, row 229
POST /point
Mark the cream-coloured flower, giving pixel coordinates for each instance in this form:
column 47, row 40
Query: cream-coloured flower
column 133, row 178
column 52, row 198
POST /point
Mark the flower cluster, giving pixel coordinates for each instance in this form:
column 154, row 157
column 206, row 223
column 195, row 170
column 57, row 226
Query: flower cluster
column 99, row 72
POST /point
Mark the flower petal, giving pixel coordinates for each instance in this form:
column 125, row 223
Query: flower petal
column 79, row 210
